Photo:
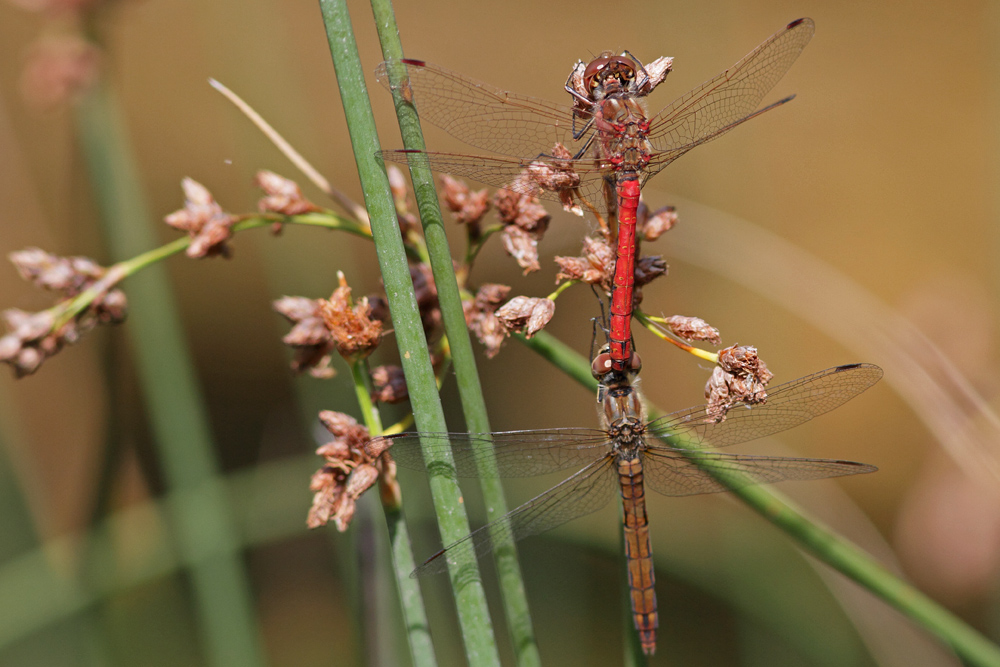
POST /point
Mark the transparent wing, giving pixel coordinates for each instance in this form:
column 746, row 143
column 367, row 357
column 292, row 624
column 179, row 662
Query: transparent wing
column 503, row 172
column 483, row 115
column 518, row 453
column 732, row 95
column 787, row 405
column 660, row 160
column 587, row 491
column 671, row 473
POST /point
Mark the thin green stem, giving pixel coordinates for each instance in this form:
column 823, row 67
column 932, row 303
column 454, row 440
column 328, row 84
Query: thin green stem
column 205, row 529
column 470, row 598
column 466, row 374
column 815, row 537
column 125, row 268
column 411, row 600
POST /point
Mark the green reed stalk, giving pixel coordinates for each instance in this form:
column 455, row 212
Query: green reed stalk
column 470, row 598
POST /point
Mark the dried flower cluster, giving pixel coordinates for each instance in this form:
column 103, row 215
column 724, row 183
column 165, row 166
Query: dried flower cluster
column 309, row 337
column 204, row 220
column 282, row 196
column 527, row 315
column 480, row 315
column 354, row 332
column 692, row 329
column 347, row 473
column 33, row 337
column 740, row 377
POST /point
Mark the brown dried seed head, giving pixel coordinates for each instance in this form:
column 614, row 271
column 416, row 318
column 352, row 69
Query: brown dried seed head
column 69, row 275
column 283, row 195
column 657, row 71
column 309, row 338
column 649, row 268
column 743, row 360
column 659, row 223
column 744, row 376
column 526, row 314
column 692, row 329
column 522, row 246
column 204, row 220
column 389, row 384
column 523, row 210
column 346, row 428
column 595, row 267
column 469, row 207
column 352, row 329
column 480, row 315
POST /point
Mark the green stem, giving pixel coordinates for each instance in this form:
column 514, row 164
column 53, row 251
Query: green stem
column 123, row 269
column 466, row 374
column 205, row 528
column 815, row 537
column 412, row 602
column 470, row 598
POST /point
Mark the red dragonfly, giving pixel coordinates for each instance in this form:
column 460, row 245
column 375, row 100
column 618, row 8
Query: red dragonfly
column 630, row 453
column 604, row 144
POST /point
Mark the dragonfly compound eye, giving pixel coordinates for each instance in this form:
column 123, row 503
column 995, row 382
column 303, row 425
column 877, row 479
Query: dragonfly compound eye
column 601, row 365
column 635, row 363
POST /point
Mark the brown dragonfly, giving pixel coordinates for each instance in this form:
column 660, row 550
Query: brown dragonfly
column 630, row 453
column 601, row 149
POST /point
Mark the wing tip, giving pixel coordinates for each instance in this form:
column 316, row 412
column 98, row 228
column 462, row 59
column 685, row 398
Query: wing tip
column 797, row 22
column 421, row 63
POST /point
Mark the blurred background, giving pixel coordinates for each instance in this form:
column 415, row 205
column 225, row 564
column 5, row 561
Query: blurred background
column 857, row 223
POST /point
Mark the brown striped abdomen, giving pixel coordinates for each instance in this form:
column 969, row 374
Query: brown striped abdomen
column 638, row 553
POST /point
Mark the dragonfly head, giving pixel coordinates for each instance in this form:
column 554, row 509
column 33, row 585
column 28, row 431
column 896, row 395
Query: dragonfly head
column 608, row 75
column 602, row 368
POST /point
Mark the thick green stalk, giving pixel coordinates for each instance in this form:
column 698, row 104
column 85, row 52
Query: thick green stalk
column 815, row 537
column 204, row 529
column 466, row 374
column 470, row 598
column 418, row 633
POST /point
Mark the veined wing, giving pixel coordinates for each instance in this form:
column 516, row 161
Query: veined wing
column 501, row 172
column 672, row 473
column 483, row 115
column 732, row 95
column 587, row 491
column 660, row 160
column 517, row 453
column 787, row 405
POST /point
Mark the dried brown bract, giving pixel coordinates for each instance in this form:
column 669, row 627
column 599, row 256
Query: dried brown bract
column 653, row 225
column 468, row 207
column 480, row 315
column 389, row 384
column 348, row 472
column 740, row 377
column 309, row 338
column 692, row 329
column 649, row 268
column 204, row 220
column 282, row 195
column 595, row 267
column 354, row 332
column 522, row 246
column 528, row 315
column 558, row 175
column 525, row 211
column 657, row 71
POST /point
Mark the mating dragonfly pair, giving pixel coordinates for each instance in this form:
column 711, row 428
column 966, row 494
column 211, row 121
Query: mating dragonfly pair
column 604, row 144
